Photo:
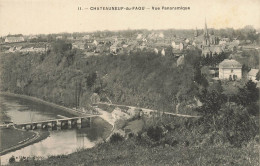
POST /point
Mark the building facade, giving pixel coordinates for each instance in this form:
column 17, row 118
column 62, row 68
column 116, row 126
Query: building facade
column 230, row 69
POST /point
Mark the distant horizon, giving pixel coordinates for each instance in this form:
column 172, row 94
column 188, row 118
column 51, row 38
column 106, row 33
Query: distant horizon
column 35, row 17
column 209, row 28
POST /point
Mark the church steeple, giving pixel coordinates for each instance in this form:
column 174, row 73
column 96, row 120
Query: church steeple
column 206, row 29
column 206, row 41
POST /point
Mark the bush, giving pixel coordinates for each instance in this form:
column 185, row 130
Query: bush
column 236, row 125
column 116, row 137
column 155, row 133
column 12, row 159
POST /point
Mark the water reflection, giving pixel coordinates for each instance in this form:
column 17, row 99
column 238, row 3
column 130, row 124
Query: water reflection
column 23, row 110
column 60, row 141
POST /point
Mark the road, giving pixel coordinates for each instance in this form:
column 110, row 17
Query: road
column 150, row 110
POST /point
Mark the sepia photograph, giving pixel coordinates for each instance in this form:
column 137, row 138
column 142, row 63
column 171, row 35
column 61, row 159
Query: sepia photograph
column 129, row 82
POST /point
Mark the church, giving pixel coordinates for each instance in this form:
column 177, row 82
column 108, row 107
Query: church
column 207, row 42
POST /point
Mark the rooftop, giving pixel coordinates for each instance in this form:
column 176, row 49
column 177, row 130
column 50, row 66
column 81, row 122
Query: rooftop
column 230, row 63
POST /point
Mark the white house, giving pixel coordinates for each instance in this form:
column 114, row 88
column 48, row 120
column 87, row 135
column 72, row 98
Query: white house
column 230, row 69
column 179, row 46
column 14, row 39
column 156, row 51
column 95, row 42
column 163, row 52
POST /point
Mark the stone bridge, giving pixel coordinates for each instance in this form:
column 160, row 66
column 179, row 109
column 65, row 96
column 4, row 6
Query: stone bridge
column 64, row 123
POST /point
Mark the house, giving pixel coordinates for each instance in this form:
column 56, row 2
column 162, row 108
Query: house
column 197, row 44
column 187, row 41
column 78, row 45
column 115, row 48
column 223, row 41
column 251, row 75
column 95, row 42
column 14, row 39
column 86, row 37
column 161, row 35
column 177, row 45
column 59, row 37
column 163, row 52
column 139, row 36
column 230, row 69
column 156, row 51
column 70, row 38
column 31, row 37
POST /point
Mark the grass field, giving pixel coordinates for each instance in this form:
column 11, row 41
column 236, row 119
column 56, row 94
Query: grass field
column 12, row 137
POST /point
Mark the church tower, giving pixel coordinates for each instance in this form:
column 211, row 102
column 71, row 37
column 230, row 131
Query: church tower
column 206, row 41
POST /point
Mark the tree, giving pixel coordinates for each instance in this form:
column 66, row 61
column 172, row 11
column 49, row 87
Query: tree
column 236, row 125
column 91, row 79
column 61, row 46
column 248, row 94
column 230, row 90
column 258, row 76
column 216, row 86
column 212, row 102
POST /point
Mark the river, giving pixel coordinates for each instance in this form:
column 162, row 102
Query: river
column 59, row 142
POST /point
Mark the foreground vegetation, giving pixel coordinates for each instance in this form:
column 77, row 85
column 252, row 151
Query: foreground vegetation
column 130, row 153
column 171, row 144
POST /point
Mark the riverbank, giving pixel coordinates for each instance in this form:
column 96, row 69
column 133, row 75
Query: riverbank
column 104, row 115
column 35, row 99
column 14, row 139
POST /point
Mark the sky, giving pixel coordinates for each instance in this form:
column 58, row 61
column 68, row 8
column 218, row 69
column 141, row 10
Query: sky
column 56, row 16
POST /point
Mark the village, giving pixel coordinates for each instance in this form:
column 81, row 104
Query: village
column 232, row 67
column 143, row 90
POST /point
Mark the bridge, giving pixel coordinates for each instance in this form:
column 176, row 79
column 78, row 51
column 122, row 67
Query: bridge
column 57, row 123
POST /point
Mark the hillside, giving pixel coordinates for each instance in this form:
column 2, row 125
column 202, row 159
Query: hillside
column 68, row 78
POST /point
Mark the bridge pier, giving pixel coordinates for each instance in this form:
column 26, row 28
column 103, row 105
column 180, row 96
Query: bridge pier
column 49, row 125
column 88, row 121
column 44, row 126
column 58, row 123
column 39, row 126
column 79, row 120
column 34, row 126
column 53, row 124
column 28, row 127
column 69, row 124
column 62, row 123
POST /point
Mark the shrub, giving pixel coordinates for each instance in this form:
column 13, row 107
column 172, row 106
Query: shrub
column 155, row 133
column 12, row 159
column 116, row 137
column 236, row 125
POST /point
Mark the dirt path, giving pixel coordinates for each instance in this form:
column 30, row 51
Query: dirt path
column 150, row 110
